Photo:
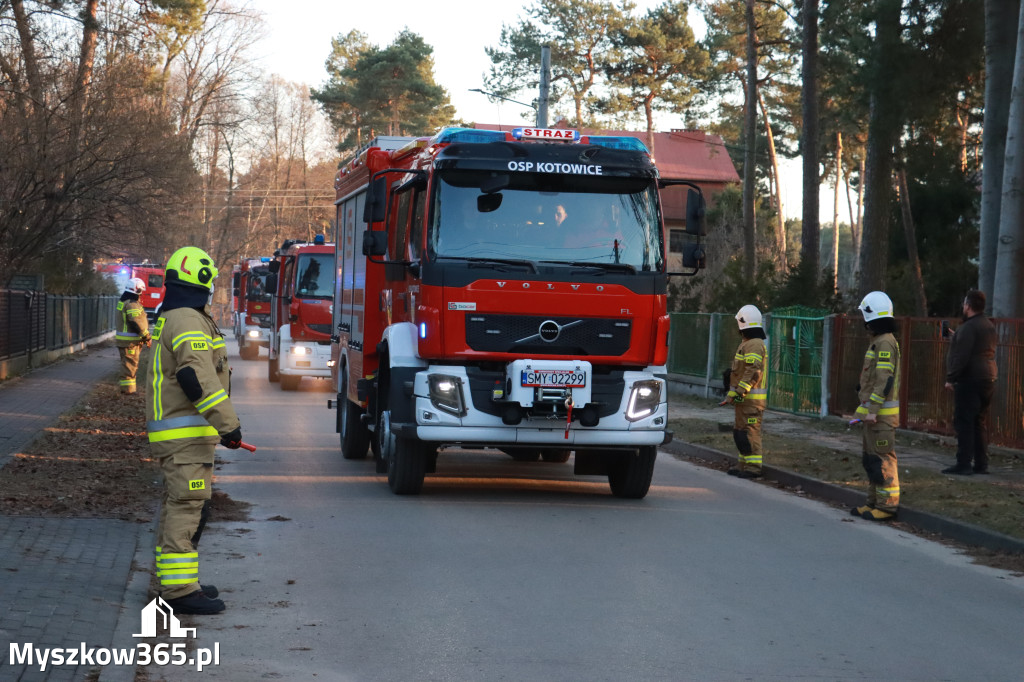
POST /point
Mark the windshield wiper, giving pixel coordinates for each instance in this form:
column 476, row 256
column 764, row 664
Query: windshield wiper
column 621, row 267
column 480, row 262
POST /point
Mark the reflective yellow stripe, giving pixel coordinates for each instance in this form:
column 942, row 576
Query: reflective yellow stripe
column 744, row 385
column 875, row 398
column 213, row 399
column 886, row 365
column 886, row 411
column 756, row 357
column 187, row 432
column 188, row 336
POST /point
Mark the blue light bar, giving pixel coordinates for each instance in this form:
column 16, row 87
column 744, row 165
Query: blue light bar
column 265, row 259
column 613, row 142
column 319, row 240
column 449, row 135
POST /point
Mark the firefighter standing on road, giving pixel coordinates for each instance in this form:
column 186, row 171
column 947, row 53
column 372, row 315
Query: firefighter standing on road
column 747, row 392
column 879, row 410
column 188, row 412
column 132, row 334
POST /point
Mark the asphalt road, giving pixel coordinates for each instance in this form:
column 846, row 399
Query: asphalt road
column 519, row 571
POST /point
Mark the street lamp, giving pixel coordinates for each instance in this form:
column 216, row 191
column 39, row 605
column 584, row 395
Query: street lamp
column 491, row 94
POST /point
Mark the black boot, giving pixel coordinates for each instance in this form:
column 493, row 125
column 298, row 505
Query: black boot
column 210, row 591
column 196, row 603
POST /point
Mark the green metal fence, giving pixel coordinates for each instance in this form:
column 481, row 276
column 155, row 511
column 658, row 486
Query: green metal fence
column 796, row 350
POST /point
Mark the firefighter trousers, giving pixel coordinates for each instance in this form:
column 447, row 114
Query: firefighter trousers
column 880, row 464
column 747, row 435
column 129, row 366
column 187, row 487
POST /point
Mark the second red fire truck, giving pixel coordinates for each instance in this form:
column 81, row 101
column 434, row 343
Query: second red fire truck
column 301, row 286
column 504, row 290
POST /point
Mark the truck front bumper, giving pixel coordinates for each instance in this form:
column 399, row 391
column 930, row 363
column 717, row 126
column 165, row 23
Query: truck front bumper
column 451, row 407
column 255, row 335
column 305, row 359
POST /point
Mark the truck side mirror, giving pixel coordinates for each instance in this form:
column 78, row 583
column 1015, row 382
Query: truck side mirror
column 236, row 280
column 272, row 283
column 376, row 201
column 274, row 266
column 693, row 256
column 696, row 223
column 375, row 243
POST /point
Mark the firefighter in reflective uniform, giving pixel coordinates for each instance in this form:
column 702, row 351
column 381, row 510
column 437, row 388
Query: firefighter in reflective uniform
column 188, row 411
column 879, row 410
column 747, row 392
column 132, row 334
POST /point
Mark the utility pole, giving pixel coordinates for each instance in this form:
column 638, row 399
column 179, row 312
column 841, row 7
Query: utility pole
column 545, row 86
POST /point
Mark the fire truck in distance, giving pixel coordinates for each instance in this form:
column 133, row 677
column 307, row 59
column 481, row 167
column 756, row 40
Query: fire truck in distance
column 499, row 292
column 150, row 273
column 250, row 306
column 301, row 286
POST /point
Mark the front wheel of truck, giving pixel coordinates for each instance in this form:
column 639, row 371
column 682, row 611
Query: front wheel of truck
column 630, row 476
column 407, row 466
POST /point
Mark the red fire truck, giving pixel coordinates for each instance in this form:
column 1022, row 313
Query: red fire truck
column 499, row 292
column 250, row 306
column 301, row 286
column 150, row 273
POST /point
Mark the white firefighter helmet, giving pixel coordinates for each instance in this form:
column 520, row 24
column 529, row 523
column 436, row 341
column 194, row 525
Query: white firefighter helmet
column 135, row 286
column 875, row 305
column 748, row 316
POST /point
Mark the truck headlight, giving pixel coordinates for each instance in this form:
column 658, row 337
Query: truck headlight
column 643, row 400
column 302, row 350
column 253, row 334
column 446, row 394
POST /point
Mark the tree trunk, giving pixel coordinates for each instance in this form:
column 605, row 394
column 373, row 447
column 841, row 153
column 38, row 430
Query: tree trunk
column 26, row 36
column 1010, row 250
column 649, row 113
column 780, row 221
column 750, row 156
column 811, row 233
column 835, row 213
column 884, row 124
column 1001, row 19
column 86, row 60
column 920, row 302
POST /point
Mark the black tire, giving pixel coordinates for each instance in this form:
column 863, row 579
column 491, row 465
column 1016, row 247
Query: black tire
column 249, row 351
column 407, row 467
column 556, row 455
column 290, row 382
column 355, row 437
column 272, row 374
column 630, row 476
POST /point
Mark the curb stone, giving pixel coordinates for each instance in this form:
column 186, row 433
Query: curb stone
column 952, row 529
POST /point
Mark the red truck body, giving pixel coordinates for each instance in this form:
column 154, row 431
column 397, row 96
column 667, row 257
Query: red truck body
column 301, row 286
column 250, row 306
column 503, row 293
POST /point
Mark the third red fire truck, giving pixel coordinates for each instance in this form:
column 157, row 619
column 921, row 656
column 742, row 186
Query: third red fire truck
column 250, row 306
column 504, row 290
column 301, row 286
column 150, row 273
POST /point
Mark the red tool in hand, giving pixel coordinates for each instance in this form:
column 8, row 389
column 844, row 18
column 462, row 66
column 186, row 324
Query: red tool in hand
column 246, row 446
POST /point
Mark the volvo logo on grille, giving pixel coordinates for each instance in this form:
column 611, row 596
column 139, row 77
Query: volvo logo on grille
column 549, row 331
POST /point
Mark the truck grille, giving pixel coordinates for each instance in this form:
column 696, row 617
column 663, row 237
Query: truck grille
column 537, row 335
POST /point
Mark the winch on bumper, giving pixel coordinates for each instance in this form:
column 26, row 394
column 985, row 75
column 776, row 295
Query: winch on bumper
column 539, row 402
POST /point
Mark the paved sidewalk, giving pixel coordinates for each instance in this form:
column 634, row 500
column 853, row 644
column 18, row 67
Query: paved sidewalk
column 62, row 580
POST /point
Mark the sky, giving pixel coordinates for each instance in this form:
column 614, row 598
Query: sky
column 298, row 41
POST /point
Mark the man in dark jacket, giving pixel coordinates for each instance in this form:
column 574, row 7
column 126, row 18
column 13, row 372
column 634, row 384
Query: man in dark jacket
column 971, row 375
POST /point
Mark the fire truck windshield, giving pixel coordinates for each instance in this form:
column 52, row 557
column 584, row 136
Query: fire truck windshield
column 539, row 217
column 256, row 289
column 314, row 276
